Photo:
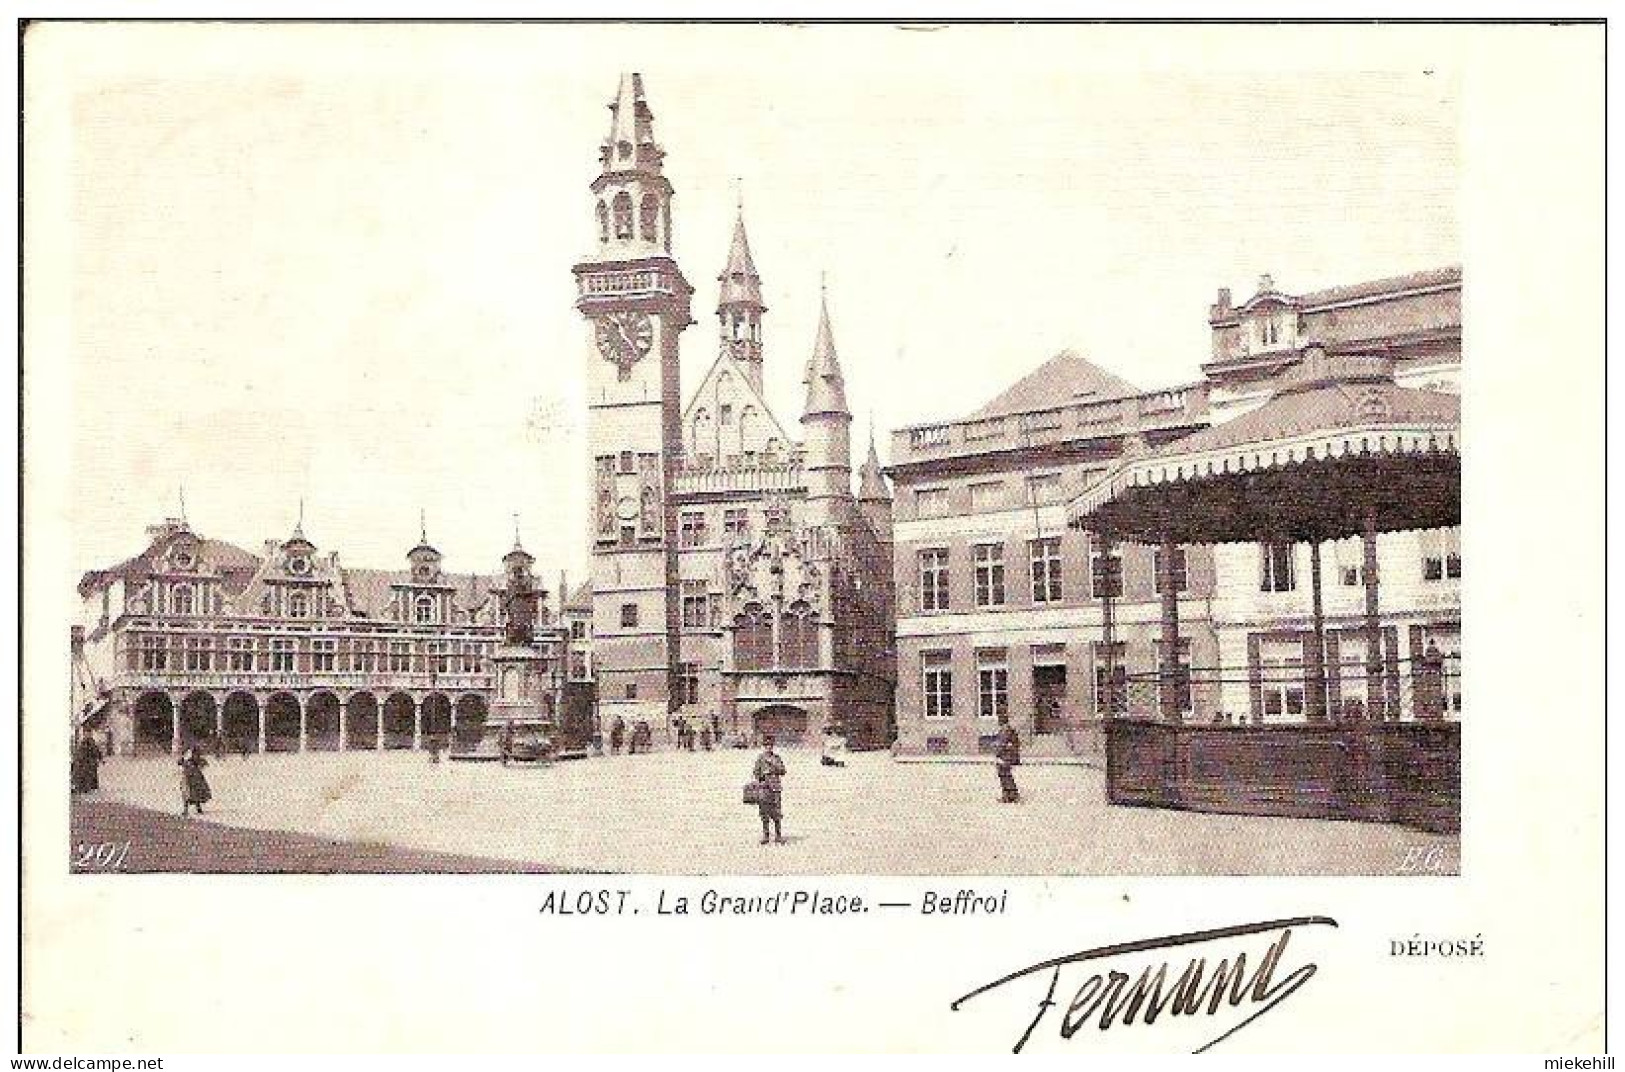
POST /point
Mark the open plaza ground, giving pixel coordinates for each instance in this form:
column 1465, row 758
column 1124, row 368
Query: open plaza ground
column 680, row 813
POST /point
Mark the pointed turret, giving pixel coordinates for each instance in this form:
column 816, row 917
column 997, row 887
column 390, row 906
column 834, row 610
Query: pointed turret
column 739, row 306
column 827, row 429
column 826, row 388
column 871, row 480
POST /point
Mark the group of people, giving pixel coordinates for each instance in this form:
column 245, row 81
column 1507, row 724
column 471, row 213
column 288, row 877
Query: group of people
column 640, row 740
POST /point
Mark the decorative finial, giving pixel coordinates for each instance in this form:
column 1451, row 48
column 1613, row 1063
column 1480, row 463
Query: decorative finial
column 299, row 525
column 516, row 544
column 823, row 283
column 423, row 526
column 739, row 194
column 183, row 503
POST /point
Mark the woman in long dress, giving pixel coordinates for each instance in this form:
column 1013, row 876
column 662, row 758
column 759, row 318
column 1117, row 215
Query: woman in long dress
column 194, row 786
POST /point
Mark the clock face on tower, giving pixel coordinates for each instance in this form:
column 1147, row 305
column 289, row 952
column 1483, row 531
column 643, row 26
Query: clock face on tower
column 624, row 338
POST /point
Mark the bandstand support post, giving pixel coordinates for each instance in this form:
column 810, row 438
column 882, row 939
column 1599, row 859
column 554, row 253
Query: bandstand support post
column 1317, row 652
column 1376, row 704
column 1169, row 692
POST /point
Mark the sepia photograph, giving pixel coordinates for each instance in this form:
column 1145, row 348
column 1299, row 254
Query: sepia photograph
column 735, row 452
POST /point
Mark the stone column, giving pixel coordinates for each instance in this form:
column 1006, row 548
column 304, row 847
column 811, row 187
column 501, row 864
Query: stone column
column 1376, row 707
column 304, row 725
column 260, row 713
column 417, row 725
column 174, row 726
column 344, row 725
column 1108, row 626
column 1168, row 694
column 1317, row 643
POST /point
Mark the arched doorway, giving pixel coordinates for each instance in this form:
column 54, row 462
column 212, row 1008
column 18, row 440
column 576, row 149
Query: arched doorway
column 198, row 715
column 282, row 723
column 154, row 723
column 398, row 720
column 787, row 724
column 241, row 714
column 361, row 721
column 322, row 722
column 471, row 712
column 437, row 718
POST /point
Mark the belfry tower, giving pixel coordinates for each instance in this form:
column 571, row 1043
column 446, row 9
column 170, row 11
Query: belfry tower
column 636, row 303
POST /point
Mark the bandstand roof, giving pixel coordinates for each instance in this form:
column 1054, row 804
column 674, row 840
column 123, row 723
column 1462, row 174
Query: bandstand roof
column 1338, row 439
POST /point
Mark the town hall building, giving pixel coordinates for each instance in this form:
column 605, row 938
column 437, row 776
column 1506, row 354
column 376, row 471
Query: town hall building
column 739, row 580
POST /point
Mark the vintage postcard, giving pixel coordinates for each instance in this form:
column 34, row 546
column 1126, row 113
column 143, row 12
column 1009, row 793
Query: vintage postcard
column 955, row 530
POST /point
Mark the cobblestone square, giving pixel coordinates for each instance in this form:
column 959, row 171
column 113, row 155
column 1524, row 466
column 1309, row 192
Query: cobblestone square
column 680, row 813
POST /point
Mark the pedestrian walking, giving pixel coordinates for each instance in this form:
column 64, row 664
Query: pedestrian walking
column 617, row 734
column 86, row 764
column 194, row 786
column 1007, row 755
column 769, row 775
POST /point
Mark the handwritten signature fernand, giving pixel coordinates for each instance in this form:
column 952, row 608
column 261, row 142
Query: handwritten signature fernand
column 1196, row 992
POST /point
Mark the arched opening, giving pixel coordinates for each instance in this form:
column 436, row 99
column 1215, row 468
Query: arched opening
column 154, row 723
column 241, row 714
column 787, row 724
column 398, row 717
column 437, row 718
column 282, row 723
column 753, row 639
column 623, row 215
column 198, row 713
column 798, row 636
column 322, row 723
column 361, row 721
column 649, row 223
column 471, row 713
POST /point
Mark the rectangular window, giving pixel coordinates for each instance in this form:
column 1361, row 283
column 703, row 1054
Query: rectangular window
column 629, row 535
column 992, row 686
column 1350, row 558
column 1441, row 554
column 632, row 691
column 1181, row 574
column 1275, row 572
column 321, row 654
column 364, row 655
column 1044, row 488
column 1105, row 572
column 934, row 579
column 471, row 662
column 240, row 653
column 736, row 524
column 439, row 657
column 1045, row 556
column 400, row 657
column 695, row 600
column 578, row 630
column 987, row 496
column 1111, row 679
column 691, row 528
column 688, row 683
column 629, row 615
column 628, row 463
column 1281, row 679
column 988, row 559
column 282, row 654
column 938, row 681
column 199, row 653
column 931, row 502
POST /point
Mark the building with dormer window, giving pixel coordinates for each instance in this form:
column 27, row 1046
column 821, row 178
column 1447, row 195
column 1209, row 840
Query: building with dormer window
column 198, row 640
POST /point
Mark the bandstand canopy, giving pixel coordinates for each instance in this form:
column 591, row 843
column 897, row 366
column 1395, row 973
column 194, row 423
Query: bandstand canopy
column 1339, row 441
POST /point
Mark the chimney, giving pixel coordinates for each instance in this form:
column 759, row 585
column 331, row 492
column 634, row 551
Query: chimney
column 1223, row 304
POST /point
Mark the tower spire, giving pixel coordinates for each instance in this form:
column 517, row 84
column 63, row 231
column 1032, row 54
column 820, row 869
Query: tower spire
column 740, row 306
column 826, row 387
